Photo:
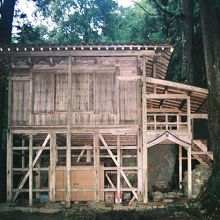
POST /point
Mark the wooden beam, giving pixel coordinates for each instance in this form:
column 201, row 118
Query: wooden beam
column 80, row 155
column 9, row 166
column 201, row 146
column 189, row 115
column 180, row 166
column 96, row 159
column 52, row 170
column 117, row 87
column 89, row 155
column 176, row 85
column 68, row 150
column 110, row 181
column 23, row 154
column 118, row 165
column 37, row 177
column 34, row 162
column 144, row 133
column 199, row 116
column 20, row 78
column 163, row 110
column 118, row 197
column 128, row 78
column 140, row 164
column 31, row 100
column 30, row 170
column 85, row 53
column 189, row 171
column 170, row 137
column 166, row 96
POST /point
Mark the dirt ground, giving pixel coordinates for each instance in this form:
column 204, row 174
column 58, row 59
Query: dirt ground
column 97, row 215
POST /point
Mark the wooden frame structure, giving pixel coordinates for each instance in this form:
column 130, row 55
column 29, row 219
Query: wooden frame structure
column 85, row 130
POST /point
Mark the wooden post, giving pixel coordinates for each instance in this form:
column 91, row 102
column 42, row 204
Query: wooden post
column 189, row 167
column 140, row 165
column 23, row 154
column 88, row 156
column 9, row 166
column 37, row 179
column 69, row 118
column 31, row 100
column 117, row 96
column 180, row 166
column 52, row 171
column 30, row 170
column 118, row 197
column 154, row 73
column 144, row 133
column 96, row 165
column 189, row 114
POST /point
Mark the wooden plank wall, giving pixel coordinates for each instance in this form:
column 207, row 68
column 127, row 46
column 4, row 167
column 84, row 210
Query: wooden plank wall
column 129, row 93
column 20, row 102
column 94, row 92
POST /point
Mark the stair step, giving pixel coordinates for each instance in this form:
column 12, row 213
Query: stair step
column 200, row 144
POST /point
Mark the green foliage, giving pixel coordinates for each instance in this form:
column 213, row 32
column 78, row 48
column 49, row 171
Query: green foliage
column 80, row 21
column 32, row 35
column 94, row 22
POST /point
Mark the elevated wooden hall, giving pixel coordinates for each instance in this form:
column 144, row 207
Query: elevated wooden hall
column 82, row 118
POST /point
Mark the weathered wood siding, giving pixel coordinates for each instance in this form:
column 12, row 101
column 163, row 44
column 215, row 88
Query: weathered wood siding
column 129, row 97
column 20, row 102
column 100, row 94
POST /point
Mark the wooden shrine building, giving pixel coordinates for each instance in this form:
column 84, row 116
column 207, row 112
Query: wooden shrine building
column 82, row 118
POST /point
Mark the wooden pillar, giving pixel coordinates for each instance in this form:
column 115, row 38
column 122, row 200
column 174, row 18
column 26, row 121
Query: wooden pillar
column 31, row 100
column 53, row 156
column 37, row 178
column 154, row 72
column 9, row 166
column 180, row 166
column 144, row 133
column 88, row 156
column 30, row 170
column 189, row 114
column 189, row 167
column 68, row 170
column 69, row 118
column 189, row 151
column 96, row 165
column 9, row 148
column 23, row 154
column 140, row 165
column 118, row 196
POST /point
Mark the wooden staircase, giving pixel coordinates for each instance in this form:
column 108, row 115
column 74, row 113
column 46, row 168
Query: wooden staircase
column 201, row 153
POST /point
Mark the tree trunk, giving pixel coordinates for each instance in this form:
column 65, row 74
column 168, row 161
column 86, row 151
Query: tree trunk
column 187, row 40
column 6, row 20
column 211, row 41
column 7, row 13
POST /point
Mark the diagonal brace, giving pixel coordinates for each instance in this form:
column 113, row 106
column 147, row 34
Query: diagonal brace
column 117, row 164
column 34, row 162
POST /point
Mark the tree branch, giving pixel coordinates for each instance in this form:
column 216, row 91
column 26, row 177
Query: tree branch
column 144, row 9
column 165, row 11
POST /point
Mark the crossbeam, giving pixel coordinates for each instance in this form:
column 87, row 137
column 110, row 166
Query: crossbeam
column 118, row 165
column 34, row 163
